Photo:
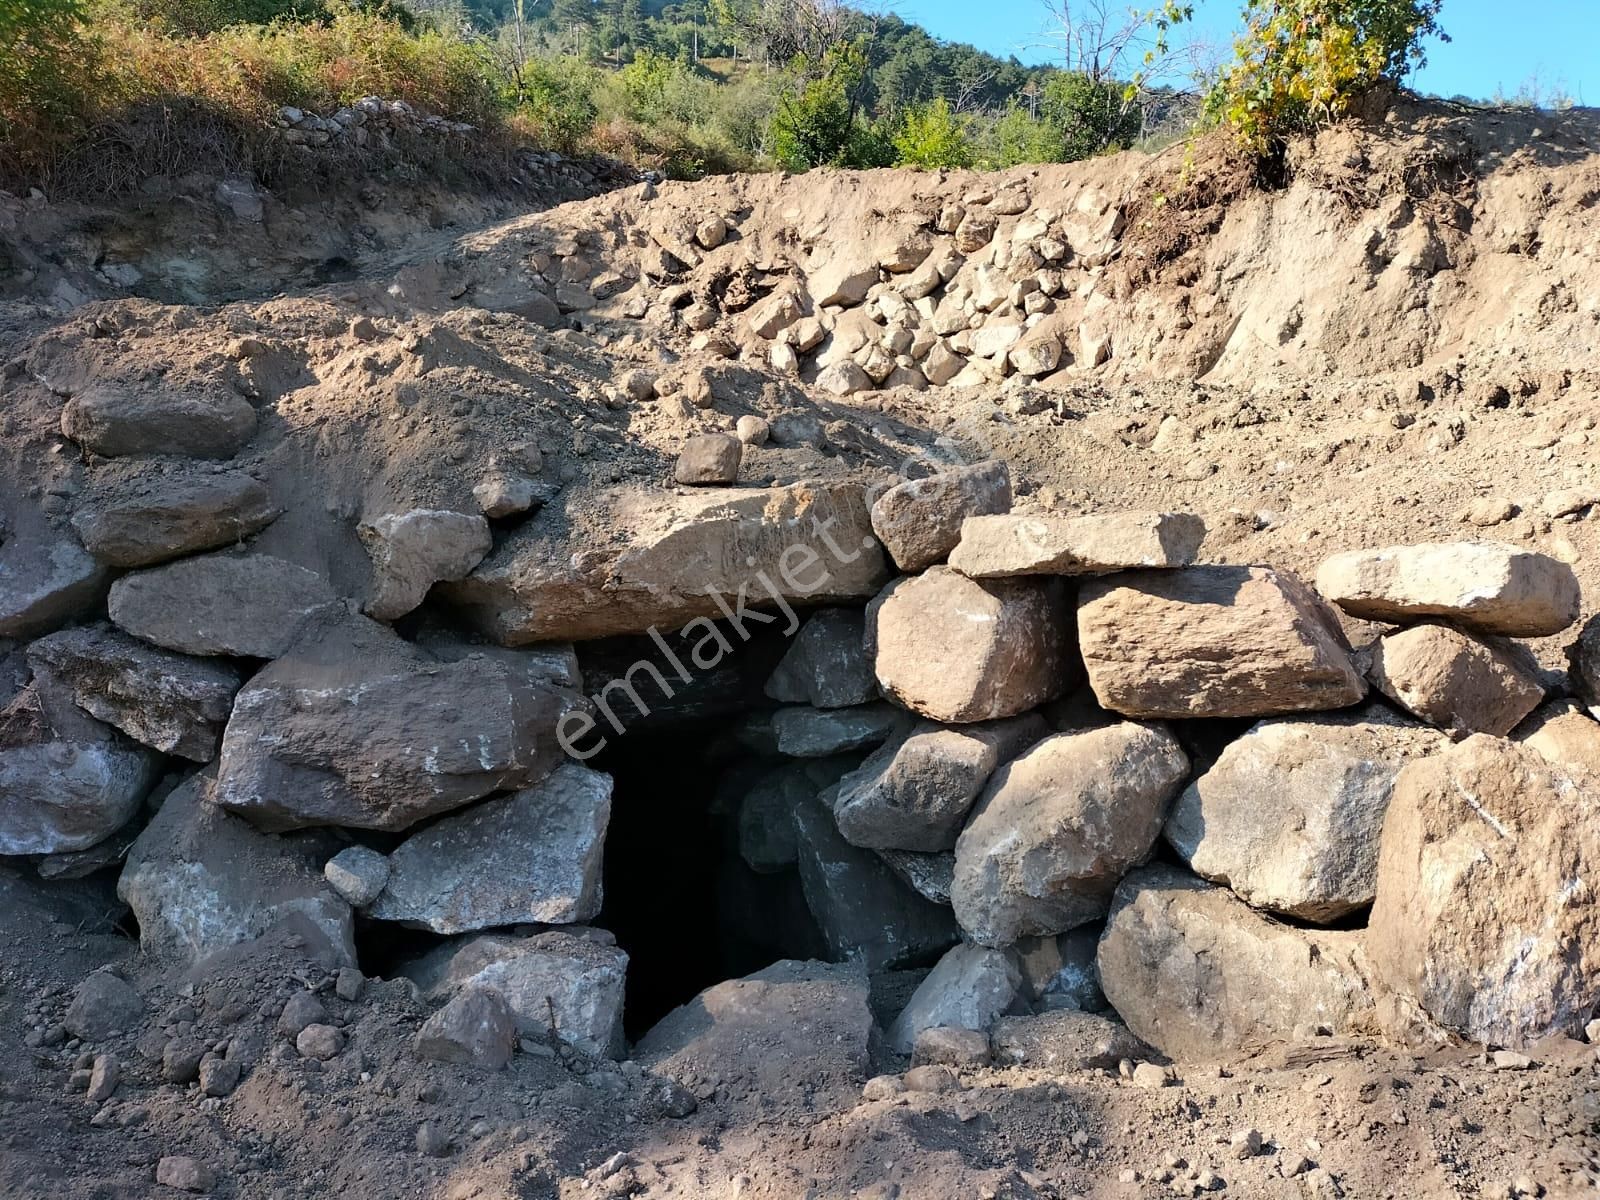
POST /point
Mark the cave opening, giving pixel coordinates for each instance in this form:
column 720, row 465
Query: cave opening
column 680, row 898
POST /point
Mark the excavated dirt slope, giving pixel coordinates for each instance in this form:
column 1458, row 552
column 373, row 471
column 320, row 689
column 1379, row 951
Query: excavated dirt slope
column 1399, row 345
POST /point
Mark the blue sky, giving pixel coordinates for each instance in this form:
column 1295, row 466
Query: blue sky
column 1495, row 45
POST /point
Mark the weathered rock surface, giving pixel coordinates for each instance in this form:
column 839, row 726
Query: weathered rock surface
column 168, row 701
column 102, row 1005
column 1564, row 734
column 357, row 727
column 114, row 420
column 929, row 875
column 46, row 583
column 358, row 873
column 1059, row 972
column 1064, row 1040
column 1584, row 656
column 1456, row 681
column 1290, row 814
column 791, row 1029
column 967, row 989
column 67, row 781
column 1483, row 586
column 1014, row 544
column 711, row 458
column 962, row 650
column 412, row 551
column 250, row 605
column 151, row 519
column 864, row 912
column 657, row 559
column 817, row 733
column 475, row 1029
column 827, row 665
column 919, row 522
column 532, row 857
column 577, row 977
column 1213, row 642
column 1058, row 827
column 200, row 880
column 1485, row 914
column 915, row 792
column 1200, row 975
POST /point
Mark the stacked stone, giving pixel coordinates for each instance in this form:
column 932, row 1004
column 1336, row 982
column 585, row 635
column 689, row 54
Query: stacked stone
column 992, row 288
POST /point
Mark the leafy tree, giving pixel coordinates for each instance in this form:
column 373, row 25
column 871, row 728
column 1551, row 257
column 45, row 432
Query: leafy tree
column 560, row 100
column 932, row 136
column 1087, row 116
column 817, row 125
column 1300, row 62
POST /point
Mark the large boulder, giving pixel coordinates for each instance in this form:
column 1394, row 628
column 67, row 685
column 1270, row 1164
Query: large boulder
column 915, row 793
column 767, row 839
column 532, row 857
column 826, row 666
column 151, row 518
column 573, row 979
column 411, row 551
column 168, row 701
column 200, row 880
column 114, row 419
column 67, row 782
column 1312, row 852
column 967, row 989
column 1059, row 826
column 1065, row 1039
column 1200, row 975
column 792, row 1030
column 1456, row 681
column 1213, row 642
column 1584, row 656
column 475, row 1028
column 1564, row 734
column 356, row 727
column 804, row 732
column 657, row 559
column 961, row 650
column 919, row 521
column 1483, row 586
column 249, row 605
column 1015, row 544
column 46, row 582
column 864, row 912
column 1485, row 914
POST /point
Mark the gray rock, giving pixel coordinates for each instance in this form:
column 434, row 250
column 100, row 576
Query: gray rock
column 1213, row 642
column 1015, row 544
column 1456, row 681
column 1059, row 972
column 968, row 988
column 530, row 857
column 1065, row 1040
column 1583, row 654
column 1312, row 853
column 791, row 1030
column 1200, row 975
column 102, row 1005
column 915, row 792
column 827, row 664
column 113, row 420
column 152, row 518
column 1487, row 587
column 475, row 1029
column 67, row 782
column 818, row 733
column 919, row 521
column 865, row 914
column 931, row 876
column 200, row 880
column 710, row 458
column 573, row 978
column 767, row 840
column 46, row 582
column 963, row 650
column 1565, row 734
column 250, row 605
column 412, row 551
column 358, row 874
column 357, row 727
column 1058, row 826
column 170, row 702
column 950, row 1048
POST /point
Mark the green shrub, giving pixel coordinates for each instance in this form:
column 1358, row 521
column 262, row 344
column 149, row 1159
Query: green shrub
column 559, row 102
column 1301, row 62
column 931, row 136
column 47, row 68
column 1087, row 117
column 818, row 123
